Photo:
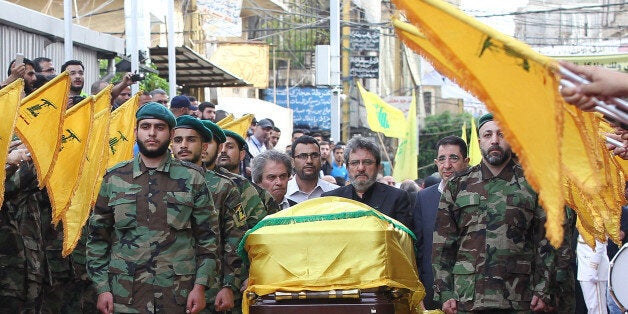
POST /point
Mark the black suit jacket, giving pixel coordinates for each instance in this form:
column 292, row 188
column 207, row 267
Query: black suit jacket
column 386, row 199
column 425, row 208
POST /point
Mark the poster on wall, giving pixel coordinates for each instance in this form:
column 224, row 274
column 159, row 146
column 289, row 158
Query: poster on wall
column 311, row 106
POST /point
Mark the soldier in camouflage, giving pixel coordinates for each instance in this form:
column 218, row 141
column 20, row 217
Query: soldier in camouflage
column 151, row 246
column 33, row 274
column 490, row 253
column 191, row 139
column 235, row 225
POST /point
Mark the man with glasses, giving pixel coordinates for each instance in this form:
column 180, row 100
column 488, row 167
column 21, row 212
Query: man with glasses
column 451, row 158
column 44, row 66
column 306, row 184
column 363, row 159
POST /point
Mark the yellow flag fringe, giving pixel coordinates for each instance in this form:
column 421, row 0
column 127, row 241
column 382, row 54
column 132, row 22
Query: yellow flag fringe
column 89, row 183
column 10, row 100
column 40, row 140
column 67, row 170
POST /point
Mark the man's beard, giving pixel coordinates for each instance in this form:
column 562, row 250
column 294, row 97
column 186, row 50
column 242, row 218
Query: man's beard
column 76, row 89
column 308, row 177
column 496, row 160
column 159, row 151
column 232, row 167
column 194, row 158
column 363, row 185
column 211, row 160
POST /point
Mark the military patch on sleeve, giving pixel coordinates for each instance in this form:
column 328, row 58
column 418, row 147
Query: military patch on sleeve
column 239, row 217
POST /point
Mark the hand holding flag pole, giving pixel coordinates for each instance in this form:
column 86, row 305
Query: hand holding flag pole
column 616, row 112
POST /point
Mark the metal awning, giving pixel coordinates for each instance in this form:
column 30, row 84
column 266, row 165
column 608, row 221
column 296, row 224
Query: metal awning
column 193, row 70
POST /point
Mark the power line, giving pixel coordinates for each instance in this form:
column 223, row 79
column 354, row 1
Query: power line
column 554, row 10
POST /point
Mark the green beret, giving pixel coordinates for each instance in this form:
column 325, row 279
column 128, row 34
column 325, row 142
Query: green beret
column 153, row 110
column 238, row 139
column 485, row 118
column 189, row 122
column 219, row 135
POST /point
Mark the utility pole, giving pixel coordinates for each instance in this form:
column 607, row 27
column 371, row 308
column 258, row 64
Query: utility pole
column 346, row 86
column 334, row 63
column 68, row 45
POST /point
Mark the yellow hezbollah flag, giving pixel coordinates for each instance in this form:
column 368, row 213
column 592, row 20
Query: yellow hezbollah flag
column 407, row 151
column 40, row 122
column 463, row 134
column 479, row 58
column 225, row 120
column 69, row 166
column 89, row 182
column 240, row 126
column 475, row 155
column 122, row 131
column 381, row 116
column 10, row 100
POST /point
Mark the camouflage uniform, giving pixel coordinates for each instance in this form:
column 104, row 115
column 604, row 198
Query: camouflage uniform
column 227, row 201
column 251, row 212
column 37, row 248
column 152, row 236
column 565, row 290
column 490, row 251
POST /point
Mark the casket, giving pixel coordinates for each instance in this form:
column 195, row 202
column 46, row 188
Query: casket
column 330, row 254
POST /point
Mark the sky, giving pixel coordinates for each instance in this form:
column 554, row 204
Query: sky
column 504, row 24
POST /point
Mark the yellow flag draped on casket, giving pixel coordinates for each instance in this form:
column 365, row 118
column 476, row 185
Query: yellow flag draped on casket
column 69, row 166
column 240, row 125
column 94, row 168
column 10, row 100
column 407, row 151
column 330, row 243
column 122, row 131
column 381, row 116
column 40, row 122
column 520, row 87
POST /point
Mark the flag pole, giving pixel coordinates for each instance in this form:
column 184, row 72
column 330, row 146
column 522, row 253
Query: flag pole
column 379, row 136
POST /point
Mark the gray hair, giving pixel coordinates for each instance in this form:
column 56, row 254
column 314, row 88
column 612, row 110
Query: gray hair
column 259, row 162
column 158, row 91
column 362, row 143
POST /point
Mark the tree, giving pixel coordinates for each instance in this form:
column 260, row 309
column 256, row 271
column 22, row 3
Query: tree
column 437, row 127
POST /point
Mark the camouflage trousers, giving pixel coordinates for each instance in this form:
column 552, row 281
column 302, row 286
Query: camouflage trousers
column 37, row 298
column 80, row 297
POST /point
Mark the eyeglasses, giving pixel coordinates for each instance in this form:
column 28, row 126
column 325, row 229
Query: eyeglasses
column 163, row 101
column 452, row 159
column 305, row 156
column 365, row 163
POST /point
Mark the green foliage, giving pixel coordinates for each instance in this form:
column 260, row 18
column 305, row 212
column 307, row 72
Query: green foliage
column 151, row 80
column 291, row 40
column 437, row 127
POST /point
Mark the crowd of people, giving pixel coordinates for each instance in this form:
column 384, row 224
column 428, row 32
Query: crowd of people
column 163, row 233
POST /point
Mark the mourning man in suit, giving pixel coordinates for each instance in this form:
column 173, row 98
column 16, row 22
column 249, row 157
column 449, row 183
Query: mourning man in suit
column 363, row 159
column 451, row 158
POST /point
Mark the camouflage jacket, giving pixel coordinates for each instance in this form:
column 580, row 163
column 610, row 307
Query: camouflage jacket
column 39, row 242
column 152, row 228
column 228, row 202
column 490, row 250
column 252, row 211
